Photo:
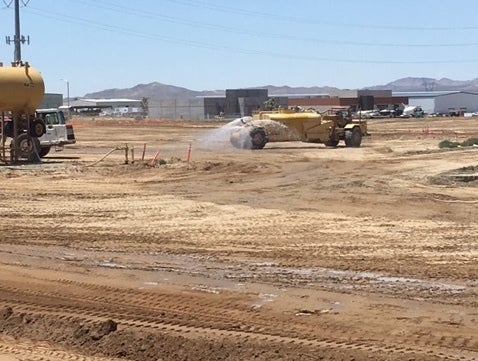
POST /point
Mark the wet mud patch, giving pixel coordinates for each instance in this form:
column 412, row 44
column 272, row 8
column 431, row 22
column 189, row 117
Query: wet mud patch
column 466, row 176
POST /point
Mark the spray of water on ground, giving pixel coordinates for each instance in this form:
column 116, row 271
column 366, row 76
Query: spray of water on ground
column 239, row 129
column 219, row 139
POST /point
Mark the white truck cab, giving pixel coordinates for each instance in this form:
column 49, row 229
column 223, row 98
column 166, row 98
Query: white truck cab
column 57, row 134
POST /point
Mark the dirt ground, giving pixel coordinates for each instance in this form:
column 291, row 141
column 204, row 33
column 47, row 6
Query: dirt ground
column 293, row 252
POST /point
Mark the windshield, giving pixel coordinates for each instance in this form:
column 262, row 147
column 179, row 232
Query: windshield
column 53, row 118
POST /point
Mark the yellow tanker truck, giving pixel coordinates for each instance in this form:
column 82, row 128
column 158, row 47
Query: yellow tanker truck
column 308, row 126
column 21, row 92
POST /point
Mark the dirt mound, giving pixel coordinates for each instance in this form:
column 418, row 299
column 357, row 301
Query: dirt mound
column 466, row 176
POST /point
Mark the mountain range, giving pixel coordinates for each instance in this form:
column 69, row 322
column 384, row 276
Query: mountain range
column 156, row 90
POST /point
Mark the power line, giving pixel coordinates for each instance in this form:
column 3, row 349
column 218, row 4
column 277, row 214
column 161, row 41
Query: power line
column 153, row 15
column 314, row 20
column 231, row 50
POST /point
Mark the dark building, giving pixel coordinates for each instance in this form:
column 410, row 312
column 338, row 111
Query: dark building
column 239, row 102
column 242, row 102
column 214, row 106
column 355, row 100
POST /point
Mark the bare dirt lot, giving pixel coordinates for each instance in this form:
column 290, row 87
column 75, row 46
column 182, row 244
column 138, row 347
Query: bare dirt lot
column 293, row 252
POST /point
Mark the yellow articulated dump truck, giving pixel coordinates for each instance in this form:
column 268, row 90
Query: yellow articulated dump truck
column 307, row 126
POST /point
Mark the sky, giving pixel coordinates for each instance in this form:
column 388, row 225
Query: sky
column 94, row 45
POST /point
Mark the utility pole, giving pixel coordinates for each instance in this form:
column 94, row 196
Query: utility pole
column 18, row 39
column 18, row 49
column 67, row 95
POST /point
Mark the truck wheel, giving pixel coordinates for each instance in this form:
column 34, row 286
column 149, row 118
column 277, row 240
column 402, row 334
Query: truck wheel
column 353, row 138
column 28, row 147
column 37, row 128
column 258, row 138
column 44, row 151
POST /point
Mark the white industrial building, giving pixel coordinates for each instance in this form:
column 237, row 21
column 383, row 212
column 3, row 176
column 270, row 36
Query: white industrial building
column 106, row 107
column 443, row 102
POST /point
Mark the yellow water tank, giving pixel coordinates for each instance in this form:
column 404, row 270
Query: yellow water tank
column 21, row 88
column 301, row 116
column 287, row 115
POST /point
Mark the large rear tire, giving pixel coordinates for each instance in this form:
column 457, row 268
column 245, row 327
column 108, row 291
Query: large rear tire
column 28, row 147
column 353, row 138
column 37, row 128
column 258, row 138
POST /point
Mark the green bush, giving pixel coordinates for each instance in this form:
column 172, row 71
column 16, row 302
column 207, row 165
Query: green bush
column 449, row 144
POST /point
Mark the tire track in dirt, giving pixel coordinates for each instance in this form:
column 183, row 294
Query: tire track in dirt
column 167, row 223
column 169, row 308
column 25, row 350
column 136, row 311
column 237, row 270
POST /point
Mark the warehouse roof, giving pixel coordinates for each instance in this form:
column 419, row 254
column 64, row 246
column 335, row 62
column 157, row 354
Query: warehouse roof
column 426, row 94
column 88, row 102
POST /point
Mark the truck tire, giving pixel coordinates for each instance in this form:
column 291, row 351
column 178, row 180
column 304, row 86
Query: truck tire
column 258, row 138
column 353, row 138
column 37, row 128
column 44, row 150
column 27, row 147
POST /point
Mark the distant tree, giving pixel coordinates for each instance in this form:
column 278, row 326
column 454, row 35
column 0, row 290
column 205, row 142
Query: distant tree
column 270, row 104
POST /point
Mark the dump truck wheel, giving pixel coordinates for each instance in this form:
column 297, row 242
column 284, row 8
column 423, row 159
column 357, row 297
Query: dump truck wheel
column 258, row 138
column 353, row 138
column 37, row 128
column 28, row 147
column 44, row 151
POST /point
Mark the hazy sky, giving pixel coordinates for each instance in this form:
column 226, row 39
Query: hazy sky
column 218, row 44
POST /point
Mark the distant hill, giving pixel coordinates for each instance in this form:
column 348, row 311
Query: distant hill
column 156, row 90
column 429, row 84
column 153, row 90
